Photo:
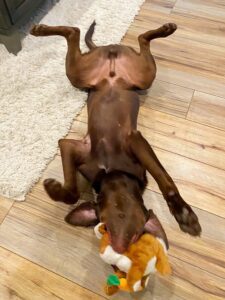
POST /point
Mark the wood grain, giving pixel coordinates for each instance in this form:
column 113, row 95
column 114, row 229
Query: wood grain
column 22, row 279
column 164, row 6
column 188, row 77
column 207, row 109
column 200, row 29
column 5, row 205
column 169, row 98
column 210, row 9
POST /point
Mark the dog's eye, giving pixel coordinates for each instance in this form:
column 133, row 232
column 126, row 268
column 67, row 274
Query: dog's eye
column 121, row 215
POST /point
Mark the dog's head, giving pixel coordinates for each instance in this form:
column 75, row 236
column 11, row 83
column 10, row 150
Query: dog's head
column 120, row 207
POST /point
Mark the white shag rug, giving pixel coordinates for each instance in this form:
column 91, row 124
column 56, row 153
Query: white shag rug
column 37, row 102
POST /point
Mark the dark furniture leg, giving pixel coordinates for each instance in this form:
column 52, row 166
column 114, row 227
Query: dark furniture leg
column 12, row 42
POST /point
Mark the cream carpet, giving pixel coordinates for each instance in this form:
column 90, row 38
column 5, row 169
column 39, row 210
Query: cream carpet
column 37, row 102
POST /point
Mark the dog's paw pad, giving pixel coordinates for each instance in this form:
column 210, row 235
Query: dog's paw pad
column 169, row 28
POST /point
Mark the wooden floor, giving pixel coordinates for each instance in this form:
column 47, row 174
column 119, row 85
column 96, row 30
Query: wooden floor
column 183, row 117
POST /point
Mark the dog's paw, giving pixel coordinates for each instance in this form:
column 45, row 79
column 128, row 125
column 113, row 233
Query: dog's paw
column 183, row 213
column 188, row 221
column 38, row 30
column 57, row 192
column 168, row 29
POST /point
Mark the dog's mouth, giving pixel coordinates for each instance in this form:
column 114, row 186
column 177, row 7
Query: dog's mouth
column 134, row 238
column 119, row 243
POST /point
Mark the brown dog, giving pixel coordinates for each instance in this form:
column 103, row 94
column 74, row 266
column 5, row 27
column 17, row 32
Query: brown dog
column 114, row 156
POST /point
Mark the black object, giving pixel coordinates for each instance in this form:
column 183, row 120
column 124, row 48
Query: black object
column 14, row 13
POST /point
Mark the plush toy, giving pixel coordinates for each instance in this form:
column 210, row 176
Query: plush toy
column 132, row 268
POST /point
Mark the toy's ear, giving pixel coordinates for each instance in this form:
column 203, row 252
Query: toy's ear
column 154, row 227
column 100, row 230
column 162, row 264
column 83, row 215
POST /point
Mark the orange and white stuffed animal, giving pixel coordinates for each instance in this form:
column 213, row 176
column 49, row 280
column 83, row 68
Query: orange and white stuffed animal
column 132, row 268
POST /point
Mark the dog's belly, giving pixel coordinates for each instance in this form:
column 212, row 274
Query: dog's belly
column 109, row 158
column 125, row 70
column 124, row 65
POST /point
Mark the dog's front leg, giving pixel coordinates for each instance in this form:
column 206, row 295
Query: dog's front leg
column 182, row 212
column 73, row 155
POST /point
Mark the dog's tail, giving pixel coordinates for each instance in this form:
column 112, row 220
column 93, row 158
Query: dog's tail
column 88, row 37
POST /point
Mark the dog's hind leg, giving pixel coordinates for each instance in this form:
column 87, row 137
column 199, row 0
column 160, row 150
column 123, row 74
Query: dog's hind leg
column 72, row 35
column 145, row 52
column 161, row 32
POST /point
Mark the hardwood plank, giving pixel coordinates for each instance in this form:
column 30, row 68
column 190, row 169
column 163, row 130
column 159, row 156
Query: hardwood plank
column 50, row 235
column 210, row 9
column 209, row 287
column 169, row 98
column 38, row 224
column 187, row 77
column 164, row 6
column 5, row 205
column 21, row 279
column 199, row 29
column 207, row 109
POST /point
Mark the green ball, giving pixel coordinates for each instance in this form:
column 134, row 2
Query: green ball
column 113, row 280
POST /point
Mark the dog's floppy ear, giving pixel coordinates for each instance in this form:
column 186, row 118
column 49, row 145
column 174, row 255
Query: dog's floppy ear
column 83, row 215
column 154, row 227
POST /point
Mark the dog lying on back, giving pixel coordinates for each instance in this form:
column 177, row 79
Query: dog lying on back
column 114, row 156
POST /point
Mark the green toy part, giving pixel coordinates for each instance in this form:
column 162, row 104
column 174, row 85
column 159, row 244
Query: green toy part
column 113, row 279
